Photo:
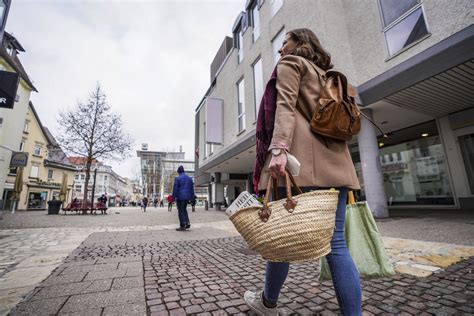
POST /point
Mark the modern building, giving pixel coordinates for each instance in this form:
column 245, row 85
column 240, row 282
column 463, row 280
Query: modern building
column 159, row 169
column 412, row 63
column 47, row 165
column 107, row 182
column 15, row 89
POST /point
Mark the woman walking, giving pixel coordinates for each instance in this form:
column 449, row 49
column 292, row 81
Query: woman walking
column 283, row 127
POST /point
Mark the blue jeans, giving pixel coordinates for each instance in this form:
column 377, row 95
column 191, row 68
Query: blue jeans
column 183, row 213
column 343, row 270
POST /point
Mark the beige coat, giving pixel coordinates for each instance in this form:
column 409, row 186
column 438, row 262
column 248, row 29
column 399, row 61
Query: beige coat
column 298, row 90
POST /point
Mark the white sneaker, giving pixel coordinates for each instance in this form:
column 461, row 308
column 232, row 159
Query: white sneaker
column 254, row 301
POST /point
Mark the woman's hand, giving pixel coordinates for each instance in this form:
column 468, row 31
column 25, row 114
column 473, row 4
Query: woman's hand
column 277, row 165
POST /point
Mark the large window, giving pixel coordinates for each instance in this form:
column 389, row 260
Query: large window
column 467, row 149
column 241, row 105
column 34, row 171
column 257, row 83
column 403, row 23
column 276, row 5
column 276, row 45
column 256, row 22
column 414, row 167
column 241, row 46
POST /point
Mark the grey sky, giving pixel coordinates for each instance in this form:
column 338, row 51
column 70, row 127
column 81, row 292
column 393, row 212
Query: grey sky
column 152, row 59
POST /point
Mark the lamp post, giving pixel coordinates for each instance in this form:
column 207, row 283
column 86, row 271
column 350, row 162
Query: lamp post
column 93, row 189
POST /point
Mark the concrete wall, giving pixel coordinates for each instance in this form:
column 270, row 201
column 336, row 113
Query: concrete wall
column 366, row 39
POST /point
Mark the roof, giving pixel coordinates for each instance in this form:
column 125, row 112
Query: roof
column 79, row 161
column 14, row 61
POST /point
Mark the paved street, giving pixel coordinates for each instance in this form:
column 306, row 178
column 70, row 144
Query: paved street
column 128, row 264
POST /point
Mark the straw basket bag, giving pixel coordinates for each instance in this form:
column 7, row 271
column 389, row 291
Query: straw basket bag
column 299, row 228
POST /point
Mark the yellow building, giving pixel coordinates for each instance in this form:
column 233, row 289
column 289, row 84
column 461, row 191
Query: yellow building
column 47, row 165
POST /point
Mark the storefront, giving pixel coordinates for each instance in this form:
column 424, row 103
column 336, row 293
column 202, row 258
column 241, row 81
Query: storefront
column 414, row 166
column 38, row 195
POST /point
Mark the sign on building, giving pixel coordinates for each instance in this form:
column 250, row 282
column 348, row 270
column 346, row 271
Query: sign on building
column 214, row 133
column 8, row 88
column 19, row 159
column 144, row 146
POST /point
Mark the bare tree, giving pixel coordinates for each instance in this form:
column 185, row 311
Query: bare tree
column 91, row 130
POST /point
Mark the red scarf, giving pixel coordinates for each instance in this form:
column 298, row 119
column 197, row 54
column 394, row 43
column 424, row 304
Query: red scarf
column 265, row 124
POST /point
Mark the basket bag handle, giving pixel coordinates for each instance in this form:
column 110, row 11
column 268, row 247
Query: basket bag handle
column 290, row 204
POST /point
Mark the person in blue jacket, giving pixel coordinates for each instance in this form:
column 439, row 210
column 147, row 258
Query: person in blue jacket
column 183, row 191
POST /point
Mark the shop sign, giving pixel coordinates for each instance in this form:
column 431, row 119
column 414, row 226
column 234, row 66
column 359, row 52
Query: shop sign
column 8, row 88
column 19, row 159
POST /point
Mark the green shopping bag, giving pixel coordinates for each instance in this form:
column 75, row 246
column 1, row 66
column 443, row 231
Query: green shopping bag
column 364, row 243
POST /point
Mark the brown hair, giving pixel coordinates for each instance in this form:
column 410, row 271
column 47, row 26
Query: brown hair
column 309, row 47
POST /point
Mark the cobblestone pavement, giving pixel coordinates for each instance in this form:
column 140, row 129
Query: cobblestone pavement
column 28, row 256
column 134, row 274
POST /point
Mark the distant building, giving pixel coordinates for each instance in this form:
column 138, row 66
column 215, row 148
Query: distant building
column 159, row 169
column 107, row 182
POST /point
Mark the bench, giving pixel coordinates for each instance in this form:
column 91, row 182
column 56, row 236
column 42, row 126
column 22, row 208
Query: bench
column 79, row 207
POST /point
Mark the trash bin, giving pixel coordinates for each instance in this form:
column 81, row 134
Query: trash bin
column 53, row 207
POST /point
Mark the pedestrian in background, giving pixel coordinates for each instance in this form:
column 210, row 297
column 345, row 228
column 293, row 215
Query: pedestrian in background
column 170, row 202
column 183, row 191
column 283, row 127
column 145, row 203
column 193, row 203
column 161, row 202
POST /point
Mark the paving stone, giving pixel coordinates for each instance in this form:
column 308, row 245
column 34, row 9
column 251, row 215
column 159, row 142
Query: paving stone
column 90, row 268
column 129, row 309
column 53, row 291
column 127, row 283
column 48, row 306
column 104, row 299
column 85, row 312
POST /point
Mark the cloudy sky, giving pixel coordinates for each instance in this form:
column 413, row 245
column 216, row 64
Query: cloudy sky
column 152, row 58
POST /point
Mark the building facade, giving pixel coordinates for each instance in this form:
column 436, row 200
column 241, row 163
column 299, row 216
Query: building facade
column 47, row 165
column 12, row 119
column 412, row 65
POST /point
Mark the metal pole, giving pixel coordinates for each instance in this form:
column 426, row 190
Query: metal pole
column 93, row 189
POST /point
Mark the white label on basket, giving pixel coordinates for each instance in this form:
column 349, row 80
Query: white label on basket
column 244, row 199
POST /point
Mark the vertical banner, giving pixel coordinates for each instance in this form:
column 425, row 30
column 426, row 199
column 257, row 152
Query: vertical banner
column 8, row 88
column 214, row 133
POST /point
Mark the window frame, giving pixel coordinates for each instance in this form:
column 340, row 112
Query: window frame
column 398, row 20
column 241, row 115
column 40, row 150
column 256, row 101
column 256, row 8
column 52, row 174
column 275, row 54
column 31, row 172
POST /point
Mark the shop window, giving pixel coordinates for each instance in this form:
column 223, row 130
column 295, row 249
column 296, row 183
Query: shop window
column 37, row 200
column 55, row 195
column 414, row 168
column 403, row 23
column 466, row 144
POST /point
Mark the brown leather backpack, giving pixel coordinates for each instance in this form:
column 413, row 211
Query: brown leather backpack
column 337, row 115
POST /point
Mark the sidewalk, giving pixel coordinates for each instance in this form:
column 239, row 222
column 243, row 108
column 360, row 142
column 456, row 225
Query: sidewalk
column 155, row 270
column 159, row 271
